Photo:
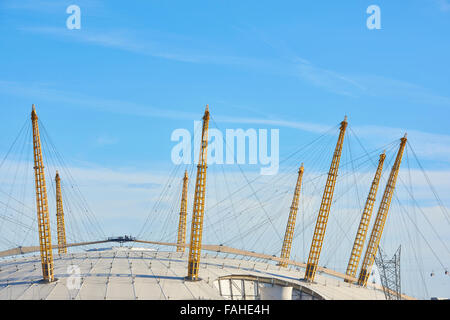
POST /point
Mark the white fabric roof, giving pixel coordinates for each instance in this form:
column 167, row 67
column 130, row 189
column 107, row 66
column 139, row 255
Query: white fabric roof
column 142, row 274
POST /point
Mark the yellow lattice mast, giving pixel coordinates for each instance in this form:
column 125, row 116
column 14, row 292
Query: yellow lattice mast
column 62, row 245
column 380, row 220
column 199, row 205
column 324, row 211
column 360, row 238
column 289, row 234
column 183, row 214
column 45, row 238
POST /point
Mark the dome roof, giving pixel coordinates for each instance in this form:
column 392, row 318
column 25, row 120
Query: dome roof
column 127, row 273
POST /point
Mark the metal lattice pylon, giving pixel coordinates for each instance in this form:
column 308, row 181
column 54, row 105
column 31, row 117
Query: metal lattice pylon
column 62, row 245
column 183, row 215
column 325, row 206
column 290, row 227
column 380, row 220
column 198, row 211
column 390, row 274
column 360, row 238
column 45, row 238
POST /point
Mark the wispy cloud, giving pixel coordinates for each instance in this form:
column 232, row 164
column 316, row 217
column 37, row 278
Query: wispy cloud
column 45, row 92
column 174, row 47
column 379, row 86
column 118, row 39
column 49, row 6
column 123, row 199
column 303, row 68
column 350, row 84
column 305, row 126
column 43, row 6
column 444, row 5
column 428, row 145
column 105, row 140
column 147, row 185
column 367, row 85
column 330, row 80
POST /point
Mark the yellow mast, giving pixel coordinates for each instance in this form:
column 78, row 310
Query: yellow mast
column 62, row 248
column 289, row 234
column 380, row 220
column 45, row 239
column 183, row 214
column 358, row 245
column 199, row 205
column 324, row 211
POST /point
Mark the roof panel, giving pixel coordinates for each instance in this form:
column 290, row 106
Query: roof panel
column 142, row 274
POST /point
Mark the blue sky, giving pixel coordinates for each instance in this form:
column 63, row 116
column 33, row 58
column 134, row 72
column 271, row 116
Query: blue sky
column 260, row 60
column 111, row 93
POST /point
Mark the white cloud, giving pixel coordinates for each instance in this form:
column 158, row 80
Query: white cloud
column 380, row 86
column 49, row 6
column 427, row 145
column 130, row 41
column 444, row 5
column 45, row 92
column 305, row 126
column 123, row 198
column 105, row 140
column 288, row 64
column 328, row 79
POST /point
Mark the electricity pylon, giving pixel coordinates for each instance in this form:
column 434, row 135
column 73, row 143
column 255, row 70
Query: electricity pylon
column 390, row 274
